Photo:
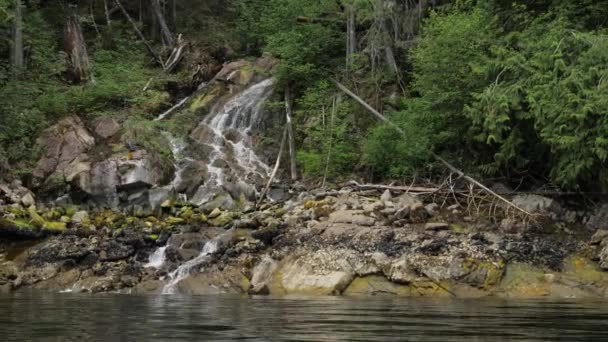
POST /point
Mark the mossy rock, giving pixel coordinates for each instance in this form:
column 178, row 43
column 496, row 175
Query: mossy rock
column 186, row 213
column 35, row 219
column 524, row 281
column 584, row 270
column 376, row 285
column 223, row 219
column 172, row 220
column 205, row 101
column 55, row 226
column 16, row 224
column 317, row 204
column 52, row 214
column 18, row 212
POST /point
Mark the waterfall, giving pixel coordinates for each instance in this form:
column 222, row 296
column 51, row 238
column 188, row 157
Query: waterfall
column 184, row 270
column 157, row 259
column 238, row 118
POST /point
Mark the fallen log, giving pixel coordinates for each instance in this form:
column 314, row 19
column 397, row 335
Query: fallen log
column 390, row 187
column 436, row 156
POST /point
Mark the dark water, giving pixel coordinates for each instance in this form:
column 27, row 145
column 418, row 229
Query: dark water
column 75, row 317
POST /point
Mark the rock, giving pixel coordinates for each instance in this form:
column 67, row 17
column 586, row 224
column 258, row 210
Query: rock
column 297, row 278
column 214, row 213
column 106, row 127
column 277, row 194
column 62, row 143
column 266, row 235
column 351, row 216
column 417, row 212
column 80, row 218
column 241, row 191
column 431, row 209
column 262, row 276
column 386, row 196
column 28, row 200
column 535, row 203
column 161, row 197
column 599, row 219
column 436, row 226
column 599, row 236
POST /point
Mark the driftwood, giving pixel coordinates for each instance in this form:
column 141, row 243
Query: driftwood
column 141, row 35
column 460, row 173
column 276, row 168
column 358, row 186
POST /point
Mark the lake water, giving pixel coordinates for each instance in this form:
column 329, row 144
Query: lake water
column 83, row 317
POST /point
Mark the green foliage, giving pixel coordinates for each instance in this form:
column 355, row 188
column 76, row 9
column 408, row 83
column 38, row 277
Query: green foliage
column 329, row 141
column 306, row 50
column 530, row 100
column 387, row 153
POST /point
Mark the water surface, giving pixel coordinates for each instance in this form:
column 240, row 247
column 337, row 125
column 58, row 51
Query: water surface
column 84, row 317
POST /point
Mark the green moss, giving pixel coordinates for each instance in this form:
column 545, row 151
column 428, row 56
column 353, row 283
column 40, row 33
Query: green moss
column 153, row 237
column 55, row 226
column 35, row 219
column 172, row 220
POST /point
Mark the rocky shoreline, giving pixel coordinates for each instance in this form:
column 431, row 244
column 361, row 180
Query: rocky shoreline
column 343, row 242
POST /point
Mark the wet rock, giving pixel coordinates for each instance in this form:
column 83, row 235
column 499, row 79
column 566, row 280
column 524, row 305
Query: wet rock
column 113, row 251
column 297, row 278
column 262, row 276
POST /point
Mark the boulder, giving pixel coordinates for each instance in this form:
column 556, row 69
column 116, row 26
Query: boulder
column 62, row 143
column 298, row 278
column 599, row 219
column 106, row 127
column 80, row 218
column 262, row 276
column 535, row 203
column 356, row 217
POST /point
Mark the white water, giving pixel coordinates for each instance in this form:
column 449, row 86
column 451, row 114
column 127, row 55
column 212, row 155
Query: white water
column 184, row 270
column 237, row 117
column 157, row 259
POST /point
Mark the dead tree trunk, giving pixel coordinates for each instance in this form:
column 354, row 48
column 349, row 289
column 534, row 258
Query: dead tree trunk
column 292, row 144
column 164, row 28
column 75, row 47
column 141, row 35
column 17, row 59
column 107, row 13
column 351, row 36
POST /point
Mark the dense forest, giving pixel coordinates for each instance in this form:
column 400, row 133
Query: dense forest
column 510, row 90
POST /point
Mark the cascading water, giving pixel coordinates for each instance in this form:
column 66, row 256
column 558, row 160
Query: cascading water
column 157, row 259
column 184, row 270
column 237, row 118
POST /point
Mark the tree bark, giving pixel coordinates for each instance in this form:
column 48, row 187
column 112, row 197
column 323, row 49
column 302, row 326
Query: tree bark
column 78, row 66
column 141, row 35
column 292, row 144
column 351, row 36
column 107, row 13
column 17, row 55
column 164, row 28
